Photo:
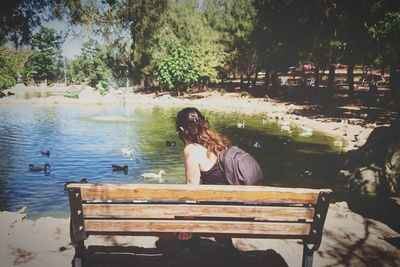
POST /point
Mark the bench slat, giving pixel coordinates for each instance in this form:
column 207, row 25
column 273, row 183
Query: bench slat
column 170, row 211
column 213, row 227
column 225, row 193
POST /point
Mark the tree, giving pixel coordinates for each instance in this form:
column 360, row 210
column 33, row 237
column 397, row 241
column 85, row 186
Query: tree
column 124, row 24
column 90, row 67
column 11, row 65
column 176, row 69
column 386, row 32
column 234, row 20
column 276, row 35
column 43, row 63
column 7, row 72
column 185, row 22
column 19, row 18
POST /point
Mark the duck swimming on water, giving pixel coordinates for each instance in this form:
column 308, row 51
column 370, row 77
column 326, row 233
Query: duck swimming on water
column 127, row 152
column 117, row 168
column 39, row 167
column 170, row 143
column 154, row 175
column 45, row 152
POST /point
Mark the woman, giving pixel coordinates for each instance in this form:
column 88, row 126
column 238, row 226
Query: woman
column 203, row 148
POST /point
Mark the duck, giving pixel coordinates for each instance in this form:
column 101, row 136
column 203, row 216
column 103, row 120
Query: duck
column 257, row 145
column 305, row 174
column 45, row 152
column 39, row 167
column 240, row 124
column 170, row 143
column 127, row 152
column 151, row 175
column 117, row 168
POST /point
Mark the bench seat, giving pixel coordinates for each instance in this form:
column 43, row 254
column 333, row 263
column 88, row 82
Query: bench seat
column 203, row 210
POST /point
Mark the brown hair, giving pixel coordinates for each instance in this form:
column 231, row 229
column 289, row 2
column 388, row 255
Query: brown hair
column 193, row 127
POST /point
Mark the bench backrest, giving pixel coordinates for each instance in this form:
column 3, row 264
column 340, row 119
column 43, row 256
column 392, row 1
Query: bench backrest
column 207, row 210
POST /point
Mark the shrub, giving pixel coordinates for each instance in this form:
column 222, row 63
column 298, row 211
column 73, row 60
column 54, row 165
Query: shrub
column 244, row 94
column 102, row 87
column 74, row 95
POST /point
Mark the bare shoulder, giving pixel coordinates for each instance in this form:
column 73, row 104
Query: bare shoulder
column 194, row 149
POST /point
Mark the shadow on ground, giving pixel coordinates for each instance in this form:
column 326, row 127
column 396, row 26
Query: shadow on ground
column 173, row 253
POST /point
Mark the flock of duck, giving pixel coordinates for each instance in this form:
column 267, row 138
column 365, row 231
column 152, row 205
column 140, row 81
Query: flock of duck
column 126, row 152
column 285, row 124
column 41, row 167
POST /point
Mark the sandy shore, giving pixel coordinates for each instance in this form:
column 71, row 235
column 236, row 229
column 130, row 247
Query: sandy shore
column 348, row 240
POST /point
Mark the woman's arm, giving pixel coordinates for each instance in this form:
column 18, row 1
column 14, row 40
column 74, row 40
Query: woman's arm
column 192, row 156
column 192, row 172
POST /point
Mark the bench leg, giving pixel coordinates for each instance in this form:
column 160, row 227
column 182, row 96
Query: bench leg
column 80, row 253
column 307, row 256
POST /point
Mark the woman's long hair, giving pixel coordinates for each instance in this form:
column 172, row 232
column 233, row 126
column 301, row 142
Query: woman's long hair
column 193, row 127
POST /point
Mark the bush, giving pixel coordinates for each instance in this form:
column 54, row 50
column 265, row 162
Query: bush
column 244, row 94
column 102, row 87
column 175, row 69
column 6, row 81
column 74, row 95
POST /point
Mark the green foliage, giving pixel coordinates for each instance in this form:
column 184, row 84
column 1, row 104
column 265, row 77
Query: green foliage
column 102, row 87
column 71, row 94
column 244, row 94
column 19, row 19
column 6, row 81
column 43, row 63
column 11, row 65
column 176, row 69
column 187, row 24
column 128, row 26
column 90, row 67
column 7, row 72
column 234, row 21
column 387, row 33
column 208, row 58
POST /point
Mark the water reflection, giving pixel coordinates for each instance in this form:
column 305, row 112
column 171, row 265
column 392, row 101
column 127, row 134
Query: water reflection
column 85, row 141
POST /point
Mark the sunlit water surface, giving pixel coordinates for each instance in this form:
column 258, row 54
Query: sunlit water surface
column 84, row 141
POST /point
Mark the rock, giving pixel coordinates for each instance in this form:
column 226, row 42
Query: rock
column 374, row 168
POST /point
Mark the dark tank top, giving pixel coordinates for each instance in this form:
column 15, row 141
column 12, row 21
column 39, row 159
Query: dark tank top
column 213, row 176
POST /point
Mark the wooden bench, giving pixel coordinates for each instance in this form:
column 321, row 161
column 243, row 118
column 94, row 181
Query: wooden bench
column 204, row 210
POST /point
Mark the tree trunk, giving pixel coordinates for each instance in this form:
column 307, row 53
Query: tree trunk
column 316, row 77
column 255, row 78
column 331, row 80
column 248, row 76
column 394, row 77
column 266, row 78
column 350, row 79
column 274, row 77
column 205, row 84
column 241, row 81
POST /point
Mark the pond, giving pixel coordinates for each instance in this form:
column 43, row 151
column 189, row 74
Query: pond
column 84, row 141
